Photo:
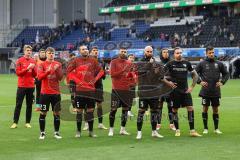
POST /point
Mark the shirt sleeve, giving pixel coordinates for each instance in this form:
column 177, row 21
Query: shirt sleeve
column 19, row 70
column 225, row 73
column 34, row 70
column 189, row 66
column 59, row 72
column 41, row 72
column 100, row 72
column 71, row 66
column 167, row 67
column 113, row 70
column 199, row 71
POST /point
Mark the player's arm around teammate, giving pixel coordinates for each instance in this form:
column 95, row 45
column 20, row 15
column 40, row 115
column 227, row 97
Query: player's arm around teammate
column 87, row 72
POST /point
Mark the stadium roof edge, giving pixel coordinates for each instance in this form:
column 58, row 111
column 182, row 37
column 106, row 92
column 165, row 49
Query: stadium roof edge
column 151, row 6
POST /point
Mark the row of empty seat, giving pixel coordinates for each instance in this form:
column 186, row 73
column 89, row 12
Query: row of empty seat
column 29, row 34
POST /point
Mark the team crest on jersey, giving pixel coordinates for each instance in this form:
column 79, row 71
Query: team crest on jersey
column 216, row 65
column 185, row 65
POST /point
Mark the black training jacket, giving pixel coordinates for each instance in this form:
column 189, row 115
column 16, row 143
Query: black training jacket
column 149, row 81
column 211, row 71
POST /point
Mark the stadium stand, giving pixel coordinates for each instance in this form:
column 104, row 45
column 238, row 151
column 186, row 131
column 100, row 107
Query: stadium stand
column 28, row 35
column 189, row 31
column 220, row 32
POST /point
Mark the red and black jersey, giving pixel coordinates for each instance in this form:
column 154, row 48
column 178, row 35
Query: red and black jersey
column 25, row 76
column 120, row 73
column 132, row 76
column 50, row 79
column 84, row 72
column 38, row 62
column 71, row 76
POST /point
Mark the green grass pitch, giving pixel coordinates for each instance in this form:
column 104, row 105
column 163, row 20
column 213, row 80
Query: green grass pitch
column 22, row 143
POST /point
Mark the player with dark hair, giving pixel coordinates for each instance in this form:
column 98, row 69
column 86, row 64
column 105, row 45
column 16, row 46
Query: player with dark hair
column 50, row 74
column 87, row 72
column 26, row 72
column 165, row 58
column 181, row 95
column 71, row 82
column 99, row 88
column 212, row 75
column 41, row 58
column 119, row 69
column 132, row 82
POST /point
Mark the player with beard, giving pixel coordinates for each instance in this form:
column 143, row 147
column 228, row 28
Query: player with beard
column 181, row 95
column 148, row 80
column 99, row 90
column 164, row 57
column 41, row 58
column 87, row 72
column 212, row 75
column 120, row 97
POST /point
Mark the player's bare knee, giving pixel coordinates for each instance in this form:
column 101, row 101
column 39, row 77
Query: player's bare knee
column 113, row 109
column 56, row 113
column 190, row 108
column 79, row 110
column 205, row 109
column 215, row 110
column 90, row 110
column 154, row 110
column 43, row 113
column 99, row 106
column 141, row 110
column 175, row 110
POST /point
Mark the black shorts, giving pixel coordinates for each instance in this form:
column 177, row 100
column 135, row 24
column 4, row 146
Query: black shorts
column 99, row 95
column 53, row 99
column 83, row 102
column 132, row 95
column 164, row 99
column 120, row 98
column 213, row 101
column 133, row 91
column 152, row 103
column 179, row 100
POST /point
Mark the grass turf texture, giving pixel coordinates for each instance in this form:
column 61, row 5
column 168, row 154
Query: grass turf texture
column 22, row 143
